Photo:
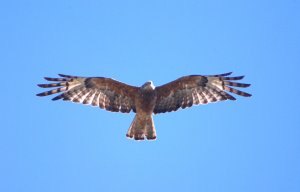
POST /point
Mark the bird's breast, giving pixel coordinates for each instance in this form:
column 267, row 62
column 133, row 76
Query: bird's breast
column 145, row 102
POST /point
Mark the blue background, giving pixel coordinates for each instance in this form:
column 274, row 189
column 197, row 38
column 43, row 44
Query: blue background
column 251, row 144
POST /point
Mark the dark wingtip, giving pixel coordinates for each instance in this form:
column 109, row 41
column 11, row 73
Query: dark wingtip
column 67, row 76
column 247, row 95
column 43, row 85
column 232, row 78
column 57, row 98
column 226, row 74
column 234, row 84
column 247, row 85
column 230, row 97
column 40, row 94
column 220, row 75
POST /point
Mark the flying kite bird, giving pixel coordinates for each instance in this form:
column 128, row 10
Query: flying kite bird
column 146, row 100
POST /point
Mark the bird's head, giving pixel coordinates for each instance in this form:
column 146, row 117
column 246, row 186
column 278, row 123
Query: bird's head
column 148, row 86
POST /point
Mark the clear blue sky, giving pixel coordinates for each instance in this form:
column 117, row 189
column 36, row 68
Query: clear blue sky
column 252, row 144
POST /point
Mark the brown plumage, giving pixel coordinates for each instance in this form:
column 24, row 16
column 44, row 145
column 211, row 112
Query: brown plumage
column 116, row 96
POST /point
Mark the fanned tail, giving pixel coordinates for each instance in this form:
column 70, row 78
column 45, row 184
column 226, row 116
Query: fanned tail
column 142, row 127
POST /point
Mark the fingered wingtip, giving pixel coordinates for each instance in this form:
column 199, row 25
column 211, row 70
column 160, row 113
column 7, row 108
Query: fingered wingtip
column 232, row 78
column 50, row 79
column 225, row 74
column 67, row 76
column 42, row 85
column 220, row 75
column 247, row 85
column 248, row 95
column 57, row 97
column 40, row 94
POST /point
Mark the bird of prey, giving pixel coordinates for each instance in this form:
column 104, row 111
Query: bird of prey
column 146, row 100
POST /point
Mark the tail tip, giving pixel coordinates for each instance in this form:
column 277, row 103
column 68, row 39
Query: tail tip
column 139, row 137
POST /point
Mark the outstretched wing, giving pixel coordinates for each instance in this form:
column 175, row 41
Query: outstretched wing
column 196, row 89
column 103, row 92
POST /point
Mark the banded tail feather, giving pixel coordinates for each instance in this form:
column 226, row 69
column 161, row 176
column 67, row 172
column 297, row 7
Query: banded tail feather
column 142, row 127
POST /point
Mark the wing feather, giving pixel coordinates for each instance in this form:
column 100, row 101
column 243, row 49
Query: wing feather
column 197, row 89
column 103, row 92
column 219, row 75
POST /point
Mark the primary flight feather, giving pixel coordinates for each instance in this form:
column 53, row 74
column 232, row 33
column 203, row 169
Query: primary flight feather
column 146, row 100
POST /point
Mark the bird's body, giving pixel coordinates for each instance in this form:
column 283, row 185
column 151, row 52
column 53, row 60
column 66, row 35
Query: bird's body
column 143, row 125
column 146, row 100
